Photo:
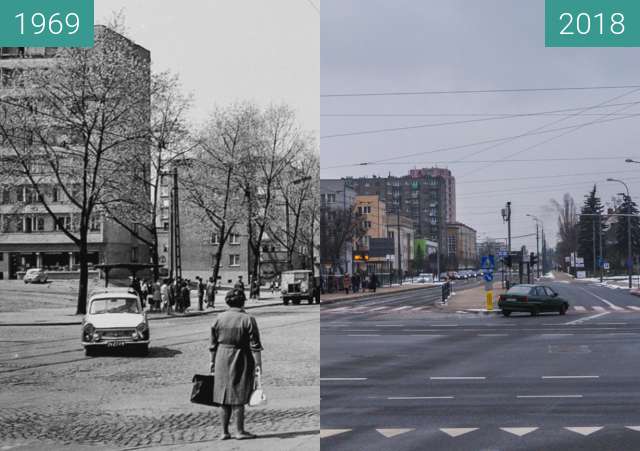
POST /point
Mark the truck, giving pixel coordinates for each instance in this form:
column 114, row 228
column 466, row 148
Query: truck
column 298, row 285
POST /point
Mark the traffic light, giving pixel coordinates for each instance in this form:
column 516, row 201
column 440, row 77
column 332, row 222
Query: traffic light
column 507, row 260
column 533, row 259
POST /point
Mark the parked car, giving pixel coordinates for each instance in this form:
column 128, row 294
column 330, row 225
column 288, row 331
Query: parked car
column 115, row 319
column 533, row 299
column 35, row 275
column 424, row 278
column 296, row 286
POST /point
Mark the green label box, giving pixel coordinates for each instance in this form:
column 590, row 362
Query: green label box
column 592, row 23
column 46, row 23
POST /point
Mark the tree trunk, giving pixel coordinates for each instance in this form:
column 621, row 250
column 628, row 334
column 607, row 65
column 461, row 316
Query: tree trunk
column 81, row 308
column 155, row 257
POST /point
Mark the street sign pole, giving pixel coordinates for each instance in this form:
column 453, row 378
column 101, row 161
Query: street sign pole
column 488, row 264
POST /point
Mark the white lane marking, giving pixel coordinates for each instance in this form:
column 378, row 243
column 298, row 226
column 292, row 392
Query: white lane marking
column 389, row 325
column 426, row 335
column 555, row 335
column 456, row 432
column 634, row 428
column 584, row 430
column 570, row 377
column 377, row 308
column 359, row 330
column 457, row 378
column 633, row 307
column 581, row 320
column 324, row 433
column 343, row 379
column 548, row 396
column 599, row 308
column 610, row 304
column 519, row 431
column 418, row 397
column 443, row 325
column 388, row 433
column 579, row 308
column 404, row 307
column 493, row 335
column 363, row 335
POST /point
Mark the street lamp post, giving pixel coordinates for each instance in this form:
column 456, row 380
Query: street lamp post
column 538, row 223
column 629, row 259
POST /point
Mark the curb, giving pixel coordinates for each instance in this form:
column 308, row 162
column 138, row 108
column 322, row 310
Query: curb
column 368, row 295
column 158, row 318
column 481, row 310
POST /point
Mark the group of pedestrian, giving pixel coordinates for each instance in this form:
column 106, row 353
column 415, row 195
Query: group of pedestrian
column 360, row 282
column 175, row 295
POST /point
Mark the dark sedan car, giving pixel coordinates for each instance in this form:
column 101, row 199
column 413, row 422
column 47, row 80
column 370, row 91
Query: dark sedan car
column 533, row 299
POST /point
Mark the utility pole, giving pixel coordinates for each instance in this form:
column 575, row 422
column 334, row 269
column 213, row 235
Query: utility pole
column 537, row 251
column 629, row 257
column 175, row 260
column 506, row 217
column 600, row 243
column 593, row 238
column 399, row 240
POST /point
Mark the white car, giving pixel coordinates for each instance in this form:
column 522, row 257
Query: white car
column 35, row 275
column 115, row 319
column 425, row 278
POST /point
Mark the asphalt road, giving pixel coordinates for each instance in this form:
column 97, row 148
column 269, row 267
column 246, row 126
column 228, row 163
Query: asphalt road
column 417, row 379
column 54, row 397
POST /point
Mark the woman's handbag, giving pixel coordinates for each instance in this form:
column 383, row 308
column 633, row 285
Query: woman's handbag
column 202, row 392
column 258, row 397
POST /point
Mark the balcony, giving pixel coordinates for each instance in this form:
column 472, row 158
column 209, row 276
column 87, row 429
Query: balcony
column 44, row 238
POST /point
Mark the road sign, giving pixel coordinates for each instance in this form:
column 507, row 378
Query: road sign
column 579, row 262
column 488, row 276
column 605, row 265
column 488, row 262
column 581, row 275
column 502, row 253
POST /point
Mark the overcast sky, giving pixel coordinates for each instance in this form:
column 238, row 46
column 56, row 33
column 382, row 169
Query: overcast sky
column 407, row 45
column 232, row 50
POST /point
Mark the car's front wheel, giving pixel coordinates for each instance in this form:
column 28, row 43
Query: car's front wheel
column 535, row 311
column 506, row 312
column 89, row 351
column 563, row 309
column 142, row 350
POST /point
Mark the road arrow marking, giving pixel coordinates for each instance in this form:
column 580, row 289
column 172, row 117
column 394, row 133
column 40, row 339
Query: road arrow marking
column 634, row 428
column 581, row 320
column 389, row 433
column 519, row 431
column 457, row 432
column 324, row 433
column 584, row 430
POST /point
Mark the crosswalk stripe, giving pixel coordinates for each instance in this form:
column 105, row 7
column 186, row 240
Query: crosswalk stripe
column 324, row 433
column 457, row 432
column 598, row 308
column 579, row 308
column 404, row 307
column 633, row 307
column 634, row 428
column 393, row 432
column 519, row 431
column 584, row 430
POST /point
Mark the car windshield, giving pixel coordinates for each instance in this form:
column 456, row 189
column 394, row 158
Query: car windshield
column 33, row 271
column 114, row 305
column 520, row 289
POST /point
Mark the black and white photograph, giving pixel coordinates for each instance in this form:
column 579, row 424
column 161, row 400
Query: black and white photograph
column 160, row 231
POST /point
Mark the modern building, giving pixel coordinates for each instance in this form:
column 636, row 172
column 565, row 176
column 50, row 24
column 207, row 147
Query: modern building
column 426, row 196
column 405, row 252
column 462, row 249
column 29, row 235
column 336, row 196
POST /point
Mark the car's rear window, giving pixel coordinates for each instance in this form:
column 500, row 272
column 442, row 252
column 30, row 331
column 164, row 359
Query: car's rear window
column 114, row 305
column 519, row 290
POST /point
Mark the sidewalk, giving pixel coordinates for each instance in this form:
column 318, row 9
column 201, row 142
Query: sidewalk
column 472, row 300
column 65, row 316
column 337, row 297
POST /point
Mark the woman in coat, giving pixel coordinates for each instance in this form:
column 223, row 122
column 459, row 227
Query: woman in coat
column 235, row 356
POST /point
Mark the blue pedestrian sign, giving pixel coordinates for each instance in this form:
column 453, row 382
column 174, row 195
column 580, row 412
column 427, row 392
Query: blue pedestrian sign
column 488, row 262
column 488, row 277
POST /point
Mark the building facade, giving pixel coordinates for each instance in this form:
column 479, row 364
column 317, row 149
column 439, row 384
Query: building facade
column 336, row 196
column 30, row 237
column 404, row 253
column 462, row 249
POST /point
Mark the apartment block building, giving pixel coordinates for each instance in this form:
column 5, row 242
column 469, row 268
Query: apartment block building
column 462, row 249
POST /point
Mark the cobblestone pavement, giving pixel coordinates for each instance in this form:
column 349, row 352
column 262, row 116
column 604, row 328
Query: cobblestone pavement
column 54, row 397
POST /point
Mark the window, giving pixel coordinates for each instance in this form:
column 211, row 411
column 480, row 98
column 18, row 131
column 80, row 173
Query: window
column 55, row 194
column 20, row 193
column 165, row 203
column 165, row 225
column 366, row 224
column 234, row 260
column 390, row 235
column 323, row 198
column 164, row 191
column 20, row 224
column 234, row 238
column 38, row 224
column 549, row 291
column 164, row 213
column 331, row 198
column 94, row 224
column 215, row 238
column 63, row 221
column 4, row 196
column 134, row 255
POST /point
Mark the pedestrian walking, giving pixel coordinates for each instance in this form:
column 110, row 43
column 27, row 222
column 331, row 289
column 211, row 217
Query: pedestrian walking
column 211, row 293
column 175, row 294
column 347, row 283
column 235, row 358
column 201, row 288
column 356, row 282
column 185, row 296
column 157, row 296
column 165, row 295
column 144, row 292
column 374, row 282
column 239, row 285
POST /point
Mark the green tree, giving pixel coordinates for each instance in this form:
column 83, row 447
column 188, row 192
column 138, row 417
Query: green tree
column 588, row 226
column 627, row 206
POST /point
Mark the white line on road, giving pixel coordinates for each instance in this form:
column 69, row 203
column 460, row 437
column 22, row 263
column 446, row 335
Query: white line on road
column 342, row 379
column 377, row 308
column 426, row 335
column 493, row 335
column 610, row 304
column 633, row 307
column 570, row 377
column 389, row 325
column 456, row 378
column 579, row 308
column 363, row 335
column 419, row 397
column 443, row 325
column 548, row 396
column 599, row 308
column 555, row 335
column 581, row 320
column 404, row 307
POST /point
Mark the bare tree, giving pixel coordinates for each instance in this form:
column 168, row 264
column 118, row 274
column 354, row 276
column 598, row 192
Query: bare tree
column 338, row 227
column 210, row 182
column 567, row 225
column 79, row 125
column 171, row 143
